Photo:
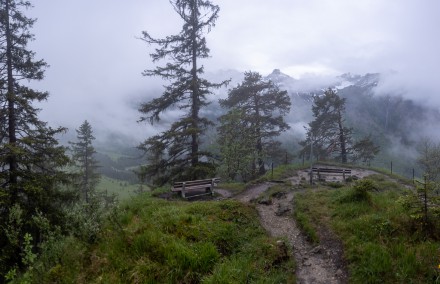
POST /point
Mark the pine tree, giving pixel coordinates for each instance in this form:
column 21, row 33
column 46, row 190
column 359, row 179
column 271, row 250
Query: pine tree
column 83, row 158
column 30, row 157
column 263, row 106
column 236, row 141
column 328, row 130
column 175, row 153
column 365, row 150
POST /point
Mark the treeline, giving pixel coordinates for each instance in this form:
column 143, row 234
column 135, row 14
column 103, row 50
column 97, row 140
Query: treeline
column 121, row 169
column 44, row 194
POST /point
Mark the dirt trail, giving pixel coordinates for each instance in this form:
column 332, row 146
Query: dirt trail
column 319, row 264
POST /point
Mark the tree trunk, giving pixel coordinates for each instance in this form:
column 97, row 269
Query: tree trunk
column 12, row 159
column 195, row 92
column 259, row 144
column 342, row 139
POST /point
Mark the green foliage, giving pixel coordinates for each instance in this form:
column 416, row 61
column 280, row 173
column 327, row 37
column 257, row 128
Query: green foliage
column 380, row 245
column 364, row 151
column 335, row 184
column 423, row 208
column 302, row 217
column 30, row 157
column 279, row 173
column 174, row 154
column 236, row 146
column 234, row 187
column 108, row 187
column 256, row 116
column 429, row 158
column 361, row 190
column 85, row 220
column 84, row 161
column 327, row 131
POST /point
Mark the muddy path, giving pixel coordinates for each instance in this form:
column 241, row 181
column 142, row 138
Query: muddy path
column 314, row 264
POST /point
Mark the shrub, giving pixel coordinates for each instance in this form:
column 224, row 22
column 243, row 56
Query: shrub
column 360, row 192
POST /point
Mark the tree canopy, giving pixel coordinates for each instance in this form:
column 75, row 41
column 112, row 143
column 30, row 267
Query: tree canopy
column 30, row 157
column 175, row 154
column 84, row 161
column 328, row 131
column 262, row 107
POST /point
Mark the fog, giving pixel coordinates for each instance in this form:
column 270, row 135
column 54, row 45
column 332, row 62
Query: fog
column 96, row 58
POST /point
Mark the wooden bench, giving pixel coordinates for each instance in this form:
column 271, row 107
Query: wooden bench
column 331, row 171
column 206, row 185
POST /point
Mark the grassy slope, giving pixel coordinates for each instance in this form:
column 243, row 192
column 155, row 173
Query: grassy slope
column 381, row 244
column 122, row 189
column 157, row 241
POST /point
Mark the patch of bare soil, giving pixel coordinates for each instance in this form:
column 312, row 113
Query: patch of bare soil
column 315, row 264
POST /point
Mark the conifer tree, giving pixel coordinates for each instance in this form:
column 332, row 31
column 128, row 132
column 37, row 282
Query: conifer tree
column 83, row 159
column 365, row 150
column 175, row 153
column 328, row 129
column 30, row 157
column 263, row 106
column 237, row 145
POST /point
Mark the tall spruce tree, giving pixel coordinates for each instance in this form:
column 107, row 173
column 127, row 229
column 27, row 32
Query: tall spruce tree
column 30, row 157
column 328, row 131
column 263, row 107
column 175, row 153
column 83, row 159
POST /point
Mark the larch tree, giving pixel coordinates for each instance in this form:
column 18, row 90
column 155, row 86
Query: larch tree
column 328, row 129
column 176, row 154
column 263, row 107
column 30, row 157
column 83, row 159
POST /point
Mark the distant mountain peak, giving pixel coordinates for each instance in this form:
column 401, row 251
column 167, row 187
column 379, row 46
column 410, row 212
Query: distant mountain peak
column 367, row 80
column 280, row 78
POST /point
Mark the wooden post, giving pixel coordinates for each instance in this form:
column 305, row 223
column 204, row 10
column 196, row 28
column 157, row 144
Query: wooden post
column 391, row 167
column 414, row 176
column 183, row 190
column 212, row 187
column 272, row 170
column 311, row 160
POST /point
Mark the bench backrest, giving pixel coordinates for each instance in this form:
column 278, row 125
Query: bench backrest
column 330, row 170
column 200, row 182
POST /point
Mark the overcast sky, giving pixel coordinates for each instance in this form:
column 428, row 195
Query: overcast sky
column 96, row 60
